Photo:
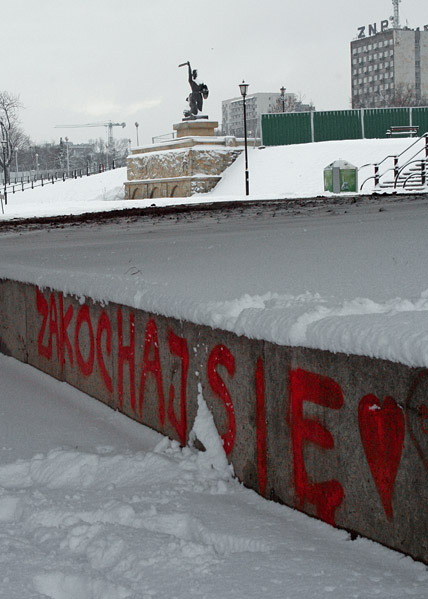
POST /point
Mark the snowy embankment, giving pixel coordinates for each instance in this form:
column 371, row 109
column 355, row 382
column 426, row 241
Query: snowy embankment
column 96, row 506
column 350, row 279
column 275, row 173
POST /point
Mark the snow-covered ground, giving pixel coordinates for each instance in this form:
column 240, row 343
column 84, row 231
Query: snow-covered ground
column 275, row 172
column 348, row 278
column 96, row 506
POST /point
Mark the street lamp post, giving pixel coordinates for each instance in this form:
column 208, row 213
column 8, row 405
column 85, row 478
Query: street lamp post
column 282, row 90
column 67, row 157
column 4, row 143
column 136, row 127
column 244, row 88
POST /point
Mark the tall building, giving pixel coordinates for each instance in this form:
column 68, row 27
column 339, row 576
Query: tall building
column 256, row 105
column 387, row 59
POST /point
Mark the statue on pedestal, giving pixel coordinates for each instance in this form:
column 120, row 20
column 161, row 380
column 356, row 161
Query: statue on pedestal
column 196, row 97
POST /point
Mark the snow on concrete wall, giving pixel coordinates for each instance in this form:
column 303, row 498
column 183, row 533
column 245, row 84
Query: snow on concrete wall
column 342, row 438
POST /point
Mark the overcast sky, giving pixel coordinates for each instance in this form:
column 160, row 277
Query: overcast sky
column 86, row 61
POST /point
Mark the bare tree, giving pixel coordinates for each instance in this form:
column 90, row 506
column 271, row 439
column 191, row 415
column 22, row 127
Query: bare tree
column 12, row 137
column 401, row 95
column 284, row 104
column 291, row 103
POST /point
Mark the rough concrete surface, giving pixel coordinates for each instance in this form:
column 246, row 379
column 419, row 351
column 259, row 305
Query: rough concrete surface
column 343, row 438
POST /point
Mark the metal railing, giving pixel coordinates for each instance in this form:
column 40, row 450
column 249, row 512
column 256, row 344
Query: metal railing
column 164, row 137
column 43, row 178
column 396, row 168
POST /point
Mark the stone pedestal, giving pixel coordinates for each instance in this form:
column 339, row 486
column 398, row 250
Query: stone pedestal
column 198, row 127
column 191, row 163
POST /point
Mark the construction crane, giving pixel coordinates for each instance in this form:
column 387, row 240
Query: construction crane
column 108, row 124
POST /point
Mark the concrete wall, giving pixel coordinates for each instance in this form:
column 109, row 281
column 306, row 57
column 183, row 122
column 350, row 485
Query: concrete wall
column 342, row 438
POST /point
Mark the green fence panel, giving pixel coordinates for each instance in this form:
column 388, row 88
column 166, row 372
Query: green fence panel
column 420, row 118
column 337, row 124
column 377, row 121
column 295, row 127
column 286, row 128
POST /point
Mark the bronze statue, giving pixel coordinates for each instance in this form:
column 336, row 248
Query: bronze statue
column 196, row 97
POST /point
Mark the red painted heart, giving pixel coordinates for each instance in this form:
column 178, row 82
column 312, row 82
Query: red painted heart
column 382, row 429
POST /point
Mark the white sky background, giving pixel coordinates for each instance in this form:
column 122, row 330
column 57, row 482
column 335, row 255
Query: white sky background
column 98, row 60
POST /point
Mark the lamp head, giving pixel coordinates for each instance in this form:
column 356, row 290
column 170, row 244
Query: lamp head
column 244, row 88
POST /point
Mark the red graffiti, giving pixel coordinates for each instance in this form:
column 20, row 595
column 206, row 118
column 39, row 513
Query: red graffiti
column 53, row 324
column 382, row 430
column 178, row 347
column 381, row 424
column 321, row 390
column 53, row 328
column 222, row 356
column 261, row 427
column 86, row 366
column 104, row 325
column 50, row 323
column 152, row 366
column 126, row 353
column 43, row 309
column 64, row 322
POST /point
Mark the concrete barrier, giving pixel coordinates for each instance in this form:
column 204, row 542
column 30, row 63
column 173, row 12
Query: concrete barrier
column 341, row 438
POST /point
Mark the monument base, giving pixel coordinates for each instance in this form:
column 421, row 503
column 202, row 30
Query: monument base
column 198, row 127
column 191, row 163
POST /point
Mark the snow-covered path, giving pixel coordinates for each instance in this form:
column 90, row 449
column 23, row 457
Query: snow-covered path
column 345, row 278
column 348, row 278
column 95, row 506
